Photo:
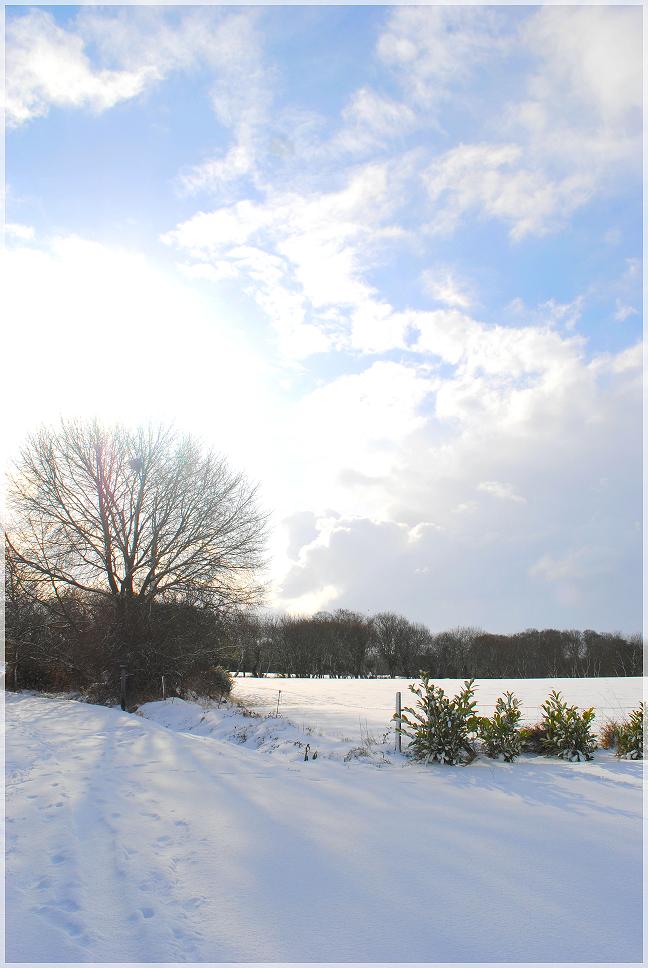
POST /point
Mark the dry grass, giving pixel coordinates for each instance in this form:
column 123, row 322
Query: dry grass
column 609, row 734
column 532, row 738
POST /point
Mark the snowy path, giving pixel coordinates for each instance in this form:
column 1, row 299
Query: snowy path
column 127, row 841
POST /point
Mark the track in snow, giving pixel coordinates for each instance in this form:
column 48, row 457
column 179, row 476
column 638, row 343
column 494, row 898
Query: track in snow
column 127, row 841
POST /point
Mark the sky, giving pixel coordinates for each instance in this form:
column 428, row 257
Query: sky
column 386, row 259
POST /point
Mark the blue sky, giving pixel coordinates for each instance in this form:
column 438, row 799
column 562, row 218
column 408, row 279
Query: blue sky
column 387, row 259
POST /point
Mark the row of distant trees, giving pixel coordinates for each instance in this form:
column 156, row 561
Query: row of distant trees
column 67, row 642
column 346, row 643
column 138, row 549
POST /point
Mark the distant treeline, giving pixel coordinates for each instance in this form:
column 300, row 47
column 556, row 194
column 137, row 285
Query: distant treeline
column 70, row 642
column 346, row 643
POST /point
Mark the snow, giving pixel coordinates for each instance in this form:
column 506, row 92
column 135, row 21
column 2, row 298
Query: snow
column 192, row 833
column 340, row 707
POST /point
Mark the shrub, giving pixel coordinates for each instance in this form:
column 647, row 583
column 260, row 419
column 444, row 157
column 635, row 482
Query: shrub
column 568, row 732
column 532, row 738
column 500, row 734
column 631, row 742
column 214, row 683
column 609, row 734
column 439, row 727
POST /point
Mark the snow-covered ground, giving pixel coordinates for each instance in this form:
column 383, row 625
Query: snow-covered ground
column 193, row 834
column 348, row 707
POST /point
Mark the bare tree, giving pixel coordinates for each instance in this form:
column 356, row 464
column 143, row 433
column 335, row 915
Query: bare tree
column 136, row 517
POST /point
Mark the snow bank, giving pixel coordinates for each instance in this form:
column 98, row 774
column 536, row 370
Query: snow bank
column 268, row 733
column 132, row 842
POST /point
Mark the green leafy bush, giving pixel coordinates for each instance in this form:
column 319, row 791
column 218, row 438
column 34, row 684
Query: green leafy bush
column 568, row 732
column 440, row 727
column 630, row 739
column 500, row 735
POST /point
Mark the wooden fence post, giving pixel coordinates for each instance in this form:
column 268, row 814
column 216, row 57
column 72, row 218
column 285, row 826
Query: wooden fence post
column 122, row 687
column 398, row 727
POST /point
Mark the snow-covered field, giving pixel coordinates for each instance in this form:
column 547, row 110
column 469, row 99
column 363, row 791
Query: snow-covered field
column 199, row 834
column 345, row 707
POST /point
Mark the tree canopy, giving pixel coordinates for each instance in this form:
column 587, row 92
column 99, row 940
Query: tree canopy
column 135, row 514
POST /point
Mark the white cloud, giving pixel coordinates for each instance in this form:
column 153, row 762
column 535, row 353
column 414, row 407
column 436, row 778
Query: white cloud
column 502, row 490
column 106, row 332
column 511, row 404
column 387, row 460
column 46, row 65
column 444, row 287
column 633, row 269
column 370, row 121
column 493, row 181
column 580, row 114
column 556, row 436
column 565, row 314
column 560, row 134
column 236, row 162
column 132, row 49
column 574, row 564
column 17, row 231
column 623, row 311
column 377, row 113
column 302, row 257
column 593, row 55
column 432, row 49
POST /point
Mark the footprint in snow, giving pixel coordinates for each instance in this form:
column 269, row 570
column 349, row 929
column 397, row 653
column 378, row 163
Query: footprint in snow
column 193, row 903
column 69, row 905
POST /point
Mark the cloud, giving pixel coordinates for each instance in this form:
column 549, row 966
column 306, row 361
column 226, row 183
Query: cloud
column 593, row 55
column 106, row 332
column 449, row 579
column 444, row 287
column 110, row 55
column 558, row 133
column 302, row 256
column 623, row 311
column 371, row 121
column 580, row 111
column 550, row 312
column 47, row 66
column 520, row 417
column 502, row 490
column 431, row 50
column 574, row 565
column 238, row 161
column 17, row 231
column 491, row 180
